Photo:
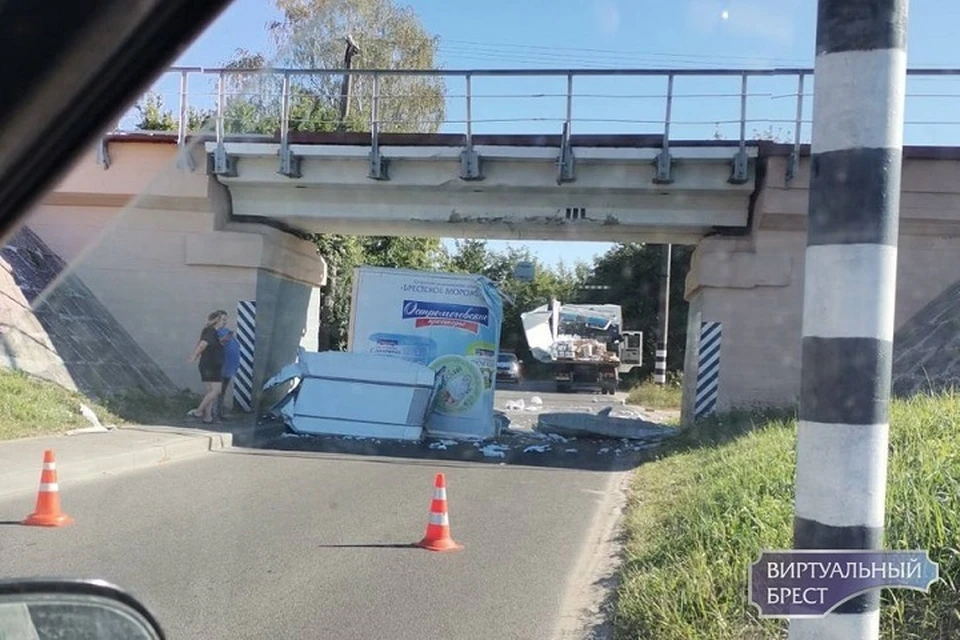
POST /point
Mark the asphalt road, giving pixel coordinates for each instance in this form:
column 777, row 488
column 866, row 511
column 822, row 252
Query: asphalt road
column 288, row 544
column 585, row 401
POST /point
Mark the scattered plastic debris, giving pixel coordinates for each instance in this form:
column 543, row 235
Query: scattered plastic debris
column 91, row 417
column 604, row 450
column 537, row 448
column 494, row 451
column 442, row 444
column 536, row 400
column 570, row 450
column 514, row 405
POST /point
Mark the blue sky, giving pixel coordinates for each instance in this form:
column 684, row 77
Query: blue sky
column 623, row 34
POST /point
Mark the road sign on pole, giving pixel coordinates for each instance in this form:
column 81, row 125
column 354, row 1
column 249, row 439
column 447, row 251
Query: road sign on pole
column 524, row 271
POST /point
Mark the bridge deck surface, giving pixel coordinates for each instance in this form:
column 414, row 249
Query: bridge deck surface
column 765, row 148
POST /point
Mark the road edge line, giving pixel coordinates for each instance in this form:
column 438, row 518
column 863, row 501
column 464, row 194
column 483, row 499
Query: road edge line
column 592, row 586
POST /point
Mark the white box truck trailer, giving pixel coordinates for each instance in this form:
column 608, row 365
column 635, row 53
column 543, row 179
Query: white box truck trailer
column 449, row 322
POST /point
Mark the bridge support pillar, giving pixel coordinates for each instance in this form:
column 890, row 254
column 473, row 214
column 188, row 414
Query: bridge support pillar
column 743, row 326
column 159, row 264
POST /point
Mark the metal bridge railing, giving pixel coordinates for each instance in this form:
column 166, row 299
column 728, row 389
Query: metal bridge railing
column 277, row 102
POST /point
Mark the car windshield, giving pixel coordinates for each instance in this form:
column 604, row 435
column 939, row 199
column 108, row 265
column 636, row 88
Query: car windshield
column 249, row 340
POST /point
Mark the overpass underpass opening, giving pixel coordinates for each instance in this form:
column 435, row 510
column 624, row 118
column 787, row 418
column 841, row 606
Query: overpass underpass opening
column 639, row 274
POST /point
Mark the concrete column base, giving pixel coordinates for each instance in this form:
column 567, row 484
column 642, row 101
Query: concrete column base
column 756, row 296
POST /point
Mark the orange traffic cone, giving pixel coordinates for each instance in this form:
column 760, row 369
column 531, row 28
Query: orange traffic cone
column 438, row 528
column 47, row 513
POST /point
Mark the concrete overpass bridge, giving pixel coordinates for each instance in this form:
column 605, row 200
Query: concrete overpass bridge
column 611, row 193
column 204, row 219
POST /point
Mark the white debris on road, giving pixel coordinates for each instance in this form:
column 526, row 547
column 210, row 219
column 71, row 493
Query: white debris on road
column 494, row 450
column 514, row 405
column 536, row 400
column 537, row 448
column 570, row 450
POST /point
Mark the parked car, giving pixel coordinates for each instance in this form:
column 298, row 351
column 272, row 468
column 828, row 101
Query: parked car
column 509, row 368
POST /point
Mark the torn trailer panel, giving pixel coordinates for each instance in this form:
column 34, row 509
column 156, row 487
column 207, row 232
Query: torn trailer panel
column 355, row 394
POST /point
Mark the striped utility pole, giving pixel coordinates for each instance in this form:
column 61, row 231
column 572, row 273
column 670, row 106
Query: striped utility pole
column 849, row 292
column 660, row 366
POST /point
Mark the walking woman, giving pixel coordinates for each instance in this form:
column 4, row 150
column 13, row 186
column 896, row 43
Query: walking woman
column 210, row 352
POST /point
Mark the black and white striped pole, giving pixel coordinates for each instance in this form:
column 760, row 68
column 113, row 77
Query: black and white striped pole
column 660, row 366
column 849, row 292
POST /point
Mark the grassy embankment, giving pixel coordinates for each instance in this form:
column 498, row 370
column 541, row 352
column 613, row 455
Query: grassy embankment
column 33, row 407
column 699, row 515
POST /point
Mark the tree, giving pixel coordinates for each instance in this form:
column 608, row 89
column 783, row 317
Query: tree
column 345, row 253
column 253, row 100
column 470, row 256
column 311, row 35
column 632, row 271
column 154, row 117
column 473, row 256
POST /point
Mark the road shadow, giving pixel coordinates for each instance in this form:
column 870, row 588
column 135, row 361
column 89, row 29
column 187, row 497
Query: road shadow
column 368, row 546
column 524, row 448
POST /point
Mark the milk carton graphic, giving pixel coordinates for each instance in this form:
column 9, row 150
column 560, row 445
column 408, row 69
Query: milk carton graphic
column 449, row 322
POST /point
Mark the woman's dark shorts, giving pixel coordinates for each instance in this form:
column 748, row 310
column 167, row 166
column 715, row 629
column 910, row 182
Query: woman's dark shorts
column 210, row 374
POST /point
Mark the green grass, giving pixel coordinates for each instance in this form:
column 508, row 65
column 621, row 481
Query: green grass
column 655, row 396
column 30, row 406
column 700, row 514
column 33, row 407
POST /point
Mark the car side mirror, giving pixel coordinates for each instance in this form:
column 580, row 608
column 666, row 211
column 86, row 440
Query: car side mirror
column 52, row 608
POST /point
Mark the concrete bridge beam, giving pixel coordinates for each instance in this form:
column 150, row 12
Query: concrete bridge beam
column 613, row 195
